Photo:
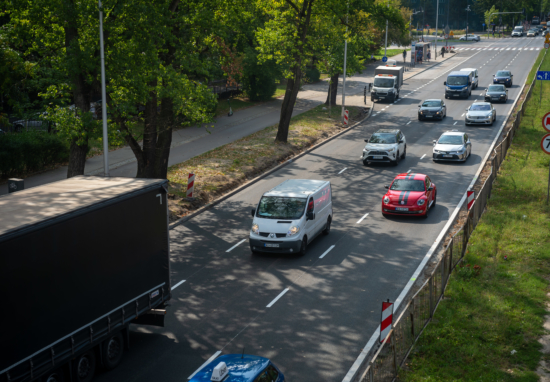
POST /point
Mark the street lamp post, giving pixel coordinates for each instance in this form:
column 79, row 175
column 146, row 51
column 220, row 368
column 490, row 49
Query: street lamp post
column 103, row 95
column 436, row 24
column 386, row 41
column 344, row 79
column 467, row 25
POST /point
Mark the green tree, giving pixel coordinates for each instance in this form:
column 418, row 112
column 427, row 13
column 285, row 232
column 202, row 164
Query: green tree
column 490, row 16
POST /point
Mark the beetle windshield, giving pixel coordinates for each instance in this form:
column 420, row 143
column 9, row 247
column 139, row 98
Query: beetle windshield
column 274, row 207
column 458, row 80
column 407, row 185
column 450, row 140
column 383, row 138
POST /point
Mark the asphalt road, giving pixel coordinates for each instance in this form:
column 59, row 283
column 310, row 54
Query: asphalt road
column 331, row 305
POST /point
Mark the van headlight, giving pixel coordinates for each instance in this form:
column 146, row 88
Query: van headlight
column 255, row 228
column 292, row 231
column 386, row 200
column 421, row 202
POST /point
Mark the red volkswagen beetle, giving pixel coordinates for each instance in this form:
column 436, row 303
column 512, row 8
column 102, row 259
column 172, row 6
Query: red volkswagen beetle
column 409, row 194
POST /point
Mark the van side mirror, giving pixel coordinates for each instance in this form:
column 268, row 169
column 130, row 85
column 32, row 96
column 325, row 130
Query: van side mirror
column 445, row 83
column 310, row 215
column 253, row 212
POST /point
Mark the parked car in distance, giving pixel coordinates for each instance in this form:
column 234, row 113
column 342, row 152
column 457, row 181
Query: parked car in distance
column 385, row 145
column 469, row 37
column 432, row 109
column 391, row 62
column 452, row 145
column 480, row 113
column 496, row 93
column 35, row 123
column 504, row 77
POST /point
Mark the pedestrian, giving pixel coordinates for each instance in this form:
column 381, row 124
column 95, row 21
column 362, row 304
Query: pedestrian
column 372, row 57
column 442, row 51
column 404, row 55
column 429, row 55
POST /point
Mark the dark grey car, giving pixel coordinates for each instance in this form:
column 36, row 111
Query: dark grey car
column 432, row 109
column 496, row 93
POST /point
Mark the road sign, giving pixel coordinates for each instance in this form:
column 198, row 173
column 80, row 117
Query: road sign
column 545, row 144
column 547, row 40
column 447, row 30
column 546, row 122
column 471, row 199
column 451, row 34
column 484, row 24
column 546, row 45
column 384, row 59
column 543, row 75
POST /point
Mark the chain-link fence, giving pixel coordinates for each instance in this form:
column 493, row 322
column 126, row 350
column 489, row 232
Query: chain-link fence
column 417, row 314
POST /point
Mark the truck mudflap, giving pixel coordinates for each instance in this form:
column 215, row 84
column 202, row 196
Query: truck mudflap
column 154, row 317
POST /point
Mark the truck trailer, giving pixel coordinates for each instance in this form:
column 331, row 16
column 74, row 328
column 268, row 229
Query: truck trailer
column 387, row 84
column 80, row 260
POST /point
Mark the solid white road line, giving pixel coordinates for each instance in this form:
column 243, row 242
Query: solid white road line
column 408, row 172
column 342, row 171
column 216, row 354
column 422, row 157
column 455, row 123
column 409, row 122
column 178, row 284
column 462, row 115
column 276, row 298
column 360, row 220
column 236, row 245
column 327, row 251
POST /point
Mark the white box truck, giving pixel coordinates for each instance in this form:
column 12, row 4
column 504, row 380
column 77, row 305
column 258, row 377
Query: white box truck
column 387, row 83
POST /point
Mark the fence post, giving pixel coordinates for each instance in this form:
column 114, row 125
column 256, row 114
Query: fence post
column 451, row 256
column 392, row 336
column 430, row 283
column 443, row 279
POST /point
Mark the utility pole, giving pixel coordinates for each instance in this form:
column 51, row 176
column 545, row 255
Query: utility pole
column 423, row 25
column 436, row 24
column 467, row 25
column 345, row 59
column 103, row 95
column 386, row 42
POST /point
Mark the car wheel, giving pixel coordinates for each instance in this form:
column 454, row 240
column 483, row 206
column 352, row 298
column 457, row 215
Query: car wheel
column 419, row 118
column 425, row 216
column 365, row 163
column 396, row 161
column 435, row 199
column 303, row 247
column 404, row 152
column 326, row 231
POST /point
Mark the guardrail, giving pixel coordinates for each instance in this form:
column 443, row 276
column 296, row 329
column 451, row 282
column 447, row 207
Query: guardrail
column 417, row 314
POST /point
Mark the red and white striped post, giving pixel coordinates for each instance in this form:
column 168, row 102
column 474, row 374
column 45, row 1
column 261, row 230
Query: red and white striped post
column 471, row 199
column 386, row 322
column 190, row 185
column 346, row 117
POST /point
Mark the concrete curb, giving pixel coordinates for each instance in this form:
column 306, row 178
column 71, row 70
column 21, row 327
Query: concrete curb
column 265, row 174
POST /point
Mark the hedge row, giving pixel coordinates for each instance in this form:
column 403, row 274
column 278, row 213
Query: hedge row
column 30, row 151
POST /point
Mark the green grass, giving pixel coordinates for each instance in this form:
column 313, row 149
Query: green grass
column 389, row 53
column 280, row 90
column 489, row 313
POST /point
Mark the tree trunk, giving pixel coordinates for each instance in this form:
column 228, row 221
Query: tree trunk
column 333, row 90
column 77, row 159
column 291, row 93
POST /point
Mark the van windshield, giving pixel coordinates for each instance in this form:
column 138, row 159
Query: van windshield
column 275, row 207
column 461, row 80
column 383, row 82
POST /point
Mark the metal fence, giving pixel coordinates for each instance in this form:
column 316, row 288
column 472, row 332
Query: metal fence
column 417, row 314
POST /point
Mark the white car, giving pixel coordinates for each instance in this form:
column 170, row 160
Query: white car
column 385, row 145
column 470, row 37
column 480, row 113
column 391, row 62
column 453, row 146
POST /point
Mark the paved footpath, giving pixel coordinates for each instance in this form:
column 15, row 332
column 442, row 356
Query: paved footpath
column 192, row 141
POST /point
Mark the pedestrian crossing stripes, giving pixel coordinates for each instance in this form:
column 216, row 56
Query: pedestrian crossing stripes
column 499, row 48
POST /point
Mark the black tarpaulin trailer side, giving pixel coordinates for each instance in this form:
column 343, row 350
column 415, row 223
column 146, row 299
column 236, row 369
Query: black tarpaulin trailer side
column 91, row 246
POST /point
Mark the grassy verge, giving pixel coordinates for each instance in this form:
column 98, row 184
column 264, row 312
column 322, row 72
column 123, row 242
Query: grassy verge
column 487, row 327
column 389, row 53
column 225, row 168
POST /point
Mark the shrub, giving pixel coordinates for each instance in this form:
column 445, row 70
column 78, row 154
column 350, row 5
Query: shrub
column 258, row 80
column 312, row 75
column 30, row 151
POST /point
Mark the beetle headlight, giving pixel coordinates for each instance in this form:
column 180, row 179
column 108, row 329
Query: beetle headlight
column 421, row 202
column 255, row 228
column 293, row 231
column 386, row 199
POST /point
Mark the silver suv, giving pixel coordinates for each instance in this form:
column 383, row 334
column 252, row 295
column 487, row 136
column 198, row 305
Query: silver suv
column 385, row 145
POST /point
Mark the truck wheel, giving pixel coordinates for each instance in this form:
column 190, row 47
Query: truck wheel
column 113, row 350
column 84, row 367
column 55, row 376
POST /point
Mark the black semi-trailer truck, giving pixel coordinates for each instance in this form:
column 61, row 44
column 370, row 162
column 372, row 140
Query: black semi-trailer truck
column 80, row 260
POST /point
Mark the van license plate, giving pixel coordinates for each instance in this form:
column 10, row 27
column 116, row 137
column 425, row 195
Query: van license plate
column 271, row 245
column 401, row 209
column 377, row 157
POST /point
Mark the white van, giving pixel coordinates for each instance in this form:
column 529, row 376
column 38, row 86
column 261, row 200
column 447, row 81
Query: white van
column 475, row 78
column 291, row 215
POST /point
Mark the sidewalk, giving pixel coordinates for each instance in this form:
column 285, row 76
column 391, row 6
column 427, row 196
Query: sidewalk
column 193, row 141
